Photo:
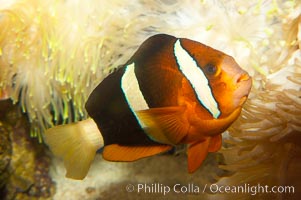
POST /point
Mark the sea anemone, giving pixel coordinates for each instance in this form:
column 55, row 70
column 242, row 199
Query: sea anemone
column 265, row 142
column 52, row 57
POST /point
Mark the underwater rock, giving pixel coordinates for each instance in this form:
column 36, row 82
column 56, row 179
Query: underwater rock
column 24, row 164
column 5, row 154
column 5, row 146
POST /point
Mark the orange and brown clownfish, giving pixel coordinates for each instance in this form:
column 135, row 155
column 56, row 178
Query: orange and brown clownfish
column 172, row 91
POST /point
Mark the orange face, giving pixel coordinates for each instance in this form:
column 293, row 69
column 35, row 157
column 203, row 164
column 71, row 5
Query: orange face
column 229, row 85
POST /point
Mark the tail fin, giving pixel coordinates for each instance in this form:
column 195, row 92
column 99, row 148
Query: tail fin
column 77, row 144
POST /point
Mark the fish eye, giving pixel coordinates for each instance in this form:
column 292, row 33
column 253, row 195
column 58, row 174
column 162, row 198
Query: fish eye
column 210, row 69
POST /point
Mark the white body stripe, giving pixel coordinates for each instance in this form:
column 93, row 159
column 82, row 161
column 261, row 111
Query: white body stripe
column 197, row 79
column 132, row 93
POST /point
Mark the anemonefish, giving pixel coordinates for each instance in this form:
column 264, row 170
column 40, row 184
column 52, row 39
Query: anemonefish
column 172, row 91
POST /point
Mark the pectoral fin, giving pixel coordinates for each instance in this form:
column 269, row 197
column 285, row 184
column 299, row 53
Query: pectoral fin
column 115, row 152
column 167, row 125
column 197, row 153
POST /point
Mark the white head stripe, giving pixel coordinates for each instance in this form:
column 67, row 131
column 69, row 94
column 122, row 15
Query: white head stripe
column 132, row 93
column 197, row 79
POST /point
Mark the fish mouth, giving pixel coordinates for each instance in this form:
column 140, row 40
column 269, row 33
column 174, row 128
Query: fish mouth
column 244, row 84
column 243, row 77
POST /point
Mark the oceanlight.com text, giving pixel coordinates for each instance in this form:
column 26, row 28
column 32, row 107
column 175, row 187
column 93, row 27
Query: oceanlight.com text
column 191, row 188
column 250, row 189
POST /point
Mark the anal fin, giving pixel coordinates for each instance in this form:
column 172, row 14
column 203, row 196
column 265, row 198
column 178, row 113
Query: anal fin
column 115, row 152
